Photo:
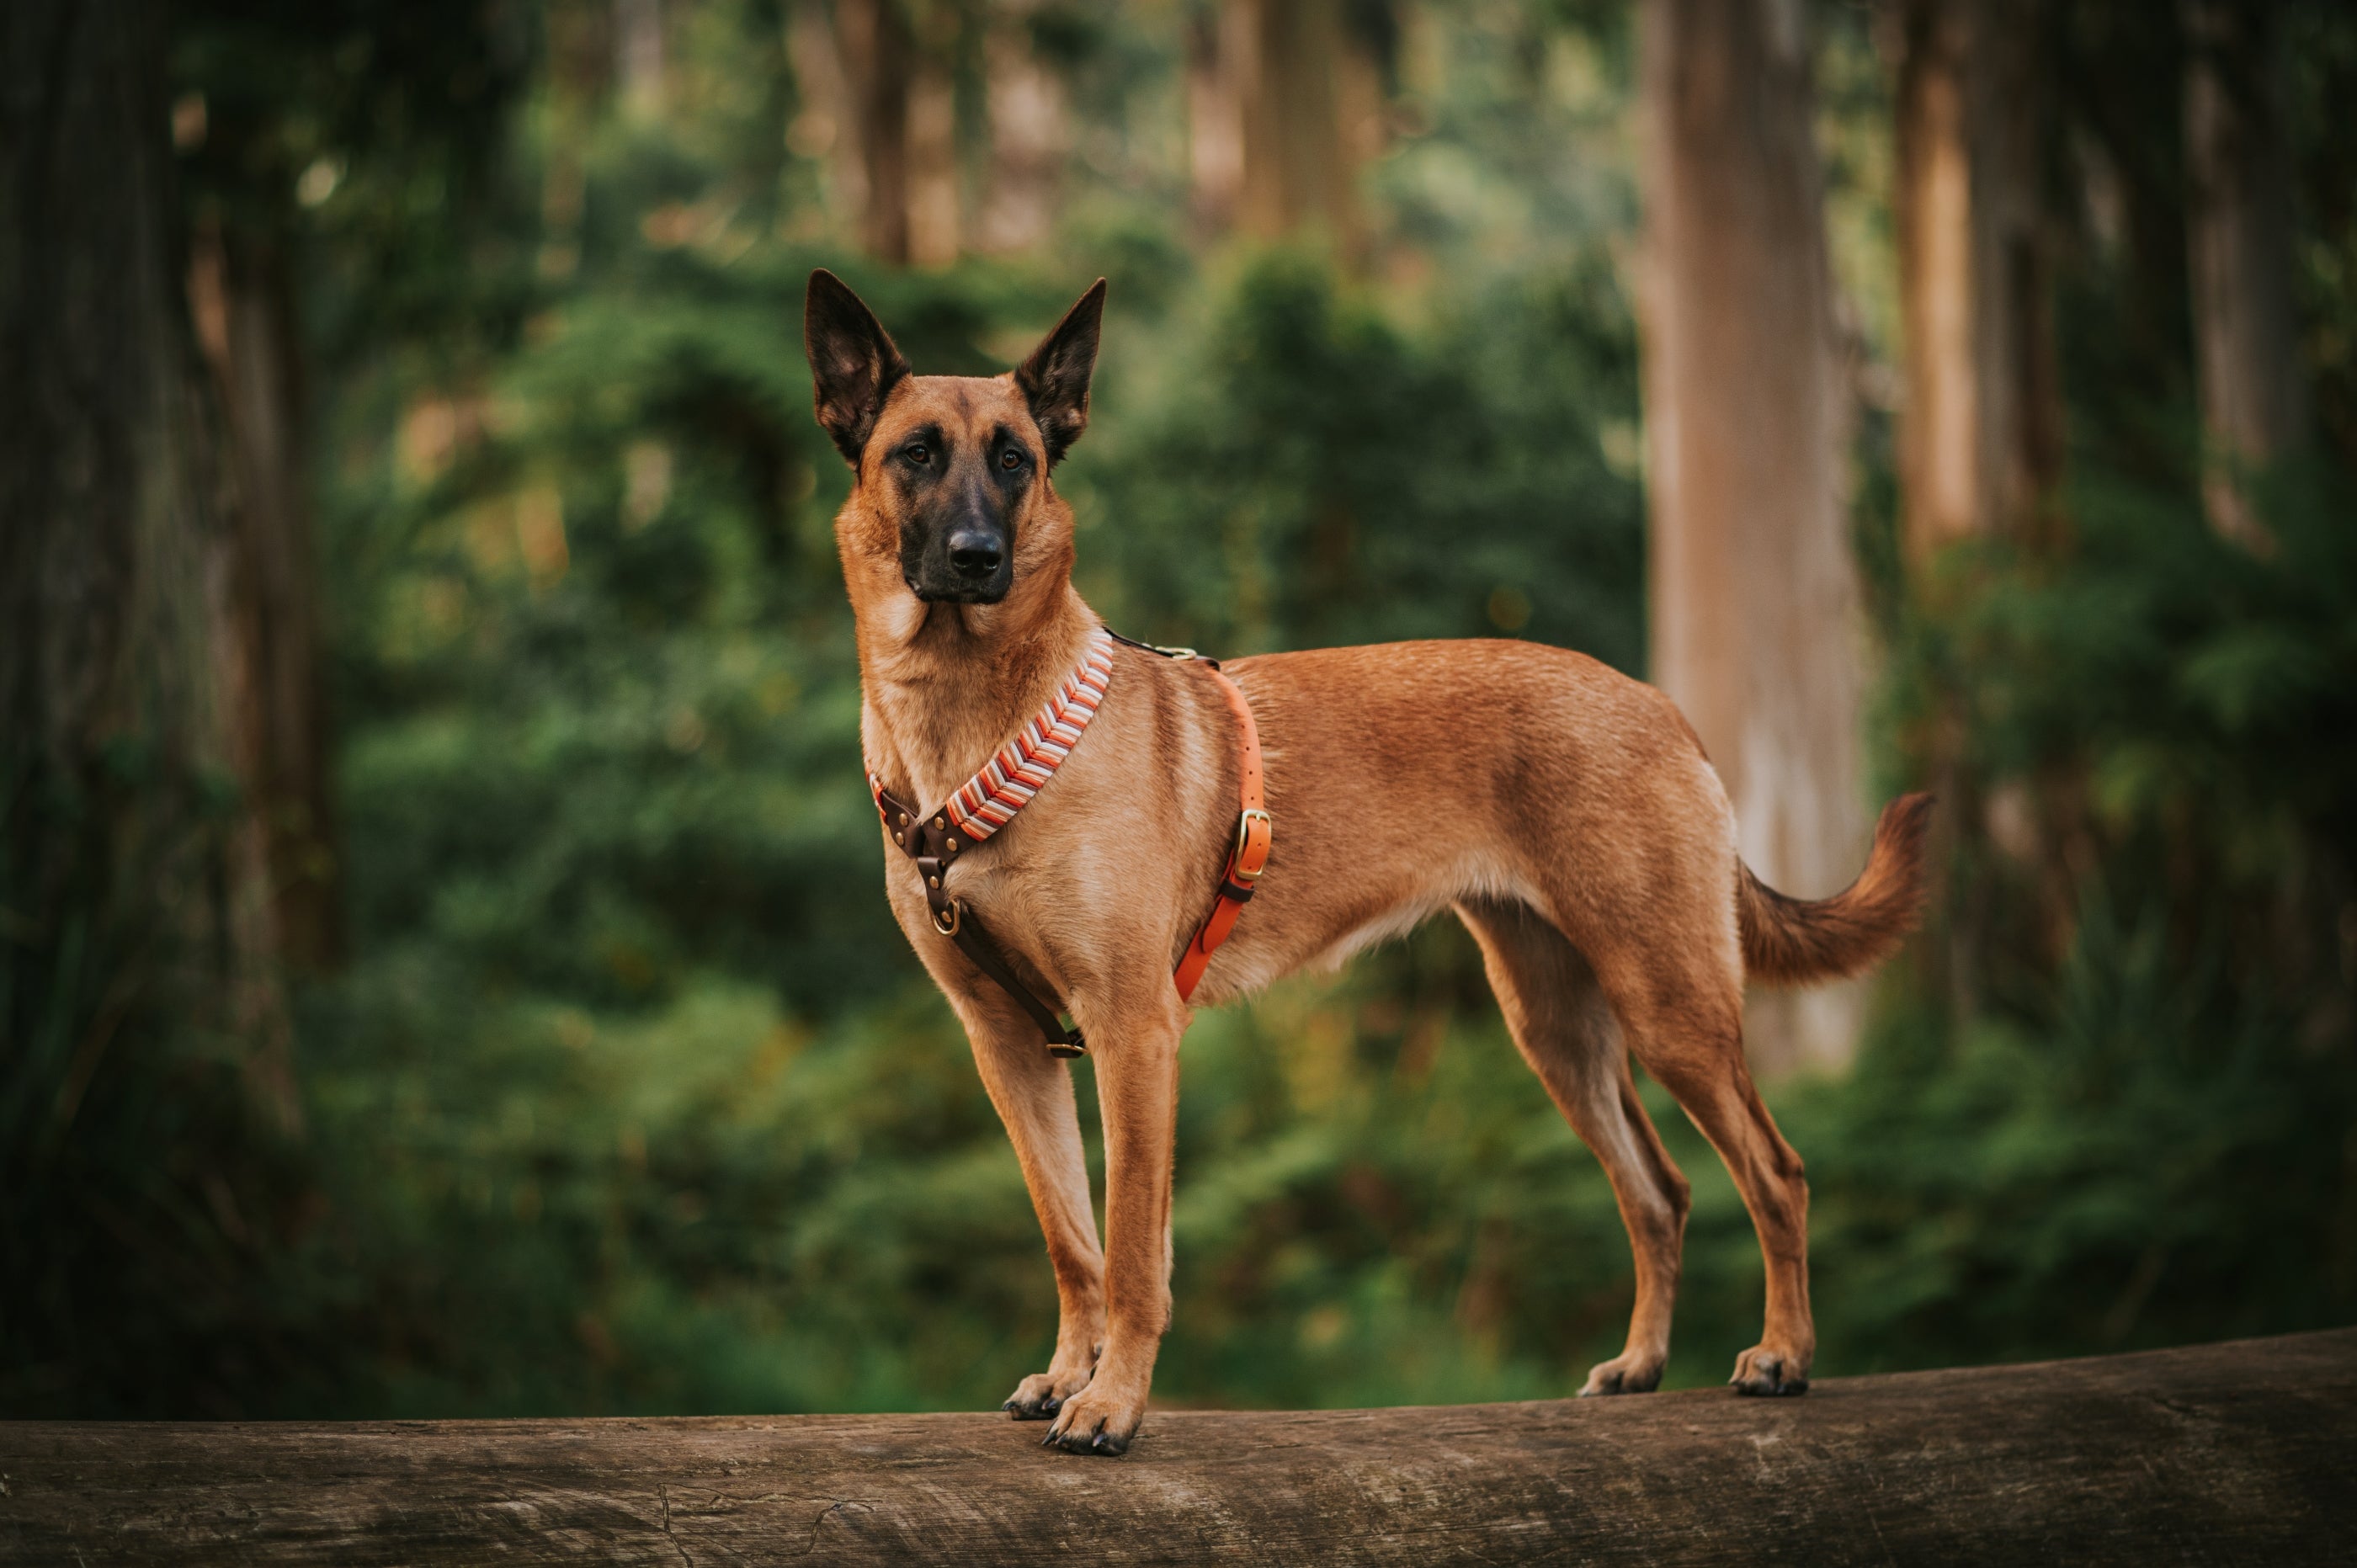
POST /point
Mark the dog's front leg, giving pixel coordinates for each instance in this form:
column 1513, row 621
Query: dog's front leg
column 1033, row 1093
column 1136, row 1054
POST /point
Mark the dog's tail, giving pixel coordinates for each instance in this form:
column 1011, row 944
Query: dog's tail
column 1796, row 941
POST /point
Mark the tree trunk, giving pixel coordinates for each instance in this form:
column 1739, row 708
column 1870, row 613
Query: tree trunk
column 1292, row 163
column 877, row 57
column 1756, row 628
column 936, row 233
column 826, row 123
column 1218, row 48
column 135, row 884
column 2114, row 1460
column 2238, row 220
column 244, row 307
column 638, row 54
column 1981, row 439
column 1029, row 137
column 1286, row 105
column 579, row 38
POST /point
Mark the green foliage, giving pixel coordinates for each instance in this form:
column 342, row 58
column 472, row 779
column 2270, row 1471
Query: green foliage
column 2170, row 711
column 1306, row 474
column 2149, row 1161
column 2157, row 732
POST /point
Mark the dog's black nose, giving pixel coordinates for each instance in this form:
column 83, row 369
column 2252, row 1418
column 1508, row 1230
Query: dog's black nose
column 975, row 553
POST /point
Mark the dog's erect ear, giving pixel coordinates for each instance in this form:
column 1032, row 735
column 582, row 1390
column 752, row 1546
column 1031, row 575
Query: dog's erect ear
column 854, row 364
column 1055, row 379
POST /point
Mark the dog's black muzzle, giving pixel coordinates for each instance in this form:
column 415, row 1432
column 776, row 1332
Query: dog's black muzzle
column 970, row 563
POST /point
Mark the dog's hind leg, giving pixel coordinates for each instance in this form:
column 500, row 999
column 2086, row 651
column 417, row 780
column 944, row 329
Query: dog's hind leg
column 1681, row 1008
column 1033, row 1093
column 1566, row 1031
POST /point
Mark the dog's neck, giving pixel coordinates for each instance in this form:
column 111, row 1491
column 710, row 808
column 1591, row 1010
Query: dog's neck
column 944, row 686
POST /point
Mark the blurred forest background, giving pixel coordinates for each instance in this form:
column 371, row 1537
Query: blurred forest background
column 442, row 964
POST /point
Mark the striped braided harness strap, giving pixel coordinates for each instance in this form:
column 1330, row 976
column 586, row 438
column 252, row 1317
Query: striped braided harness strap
column 989, row 800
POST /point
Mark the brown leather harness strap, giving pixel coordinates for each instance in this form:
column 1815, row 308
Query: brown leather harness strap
column 935, row 841
column 934, row 845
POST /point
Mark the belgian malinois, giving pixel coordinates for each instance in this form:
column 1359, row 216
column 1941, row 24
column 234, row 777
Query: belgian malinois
column 1565, row 812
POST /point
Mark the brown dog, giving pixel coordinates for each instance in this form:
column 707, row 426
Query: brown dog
column 1566, row 812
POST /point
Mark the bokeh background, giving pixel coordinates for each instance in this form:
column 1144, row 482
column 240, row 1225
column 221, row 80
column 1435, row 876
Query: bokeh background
column 442, row 960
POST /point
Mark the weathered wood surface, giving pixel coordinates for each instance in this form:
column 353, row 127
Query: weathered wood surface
column 2241, row 1453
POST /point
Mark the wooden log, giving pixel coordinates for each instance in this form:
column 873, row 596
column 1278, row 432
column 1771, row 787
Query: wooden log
column 2243, row 1453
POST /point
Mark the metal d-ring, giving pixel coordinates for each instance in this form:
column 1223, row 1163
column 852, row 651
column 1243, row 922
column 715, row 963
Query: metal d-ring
column 957, row 917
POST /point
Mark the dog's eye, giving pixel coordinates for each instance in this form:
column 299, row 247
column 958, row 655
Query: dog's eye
column 1011, row 458
column 918, row 452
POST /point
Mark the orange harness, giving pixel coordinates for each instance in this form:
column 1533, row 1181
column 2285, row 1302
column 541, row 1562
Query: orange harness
column 988, row 801
column 1254, row 833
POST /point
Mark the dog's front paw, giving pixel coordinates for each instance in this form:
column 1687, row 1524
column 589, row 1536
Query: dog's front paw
column 1042, row 1394
column 1764, row 1370
column 1097, row 1420
column 1631, row 1372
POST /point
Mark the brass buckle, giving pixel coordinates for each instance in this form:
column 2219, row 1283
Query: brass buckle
column 957, row 918
column 1244, row 839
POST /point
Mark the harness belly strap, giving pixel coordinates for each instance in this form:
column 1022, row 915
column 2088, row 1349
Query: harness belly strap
column 1247, row 859
column 989, row 800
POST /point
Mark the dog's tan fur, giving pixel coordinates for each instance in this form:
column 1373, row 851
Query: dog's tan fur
column 1566, row 812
